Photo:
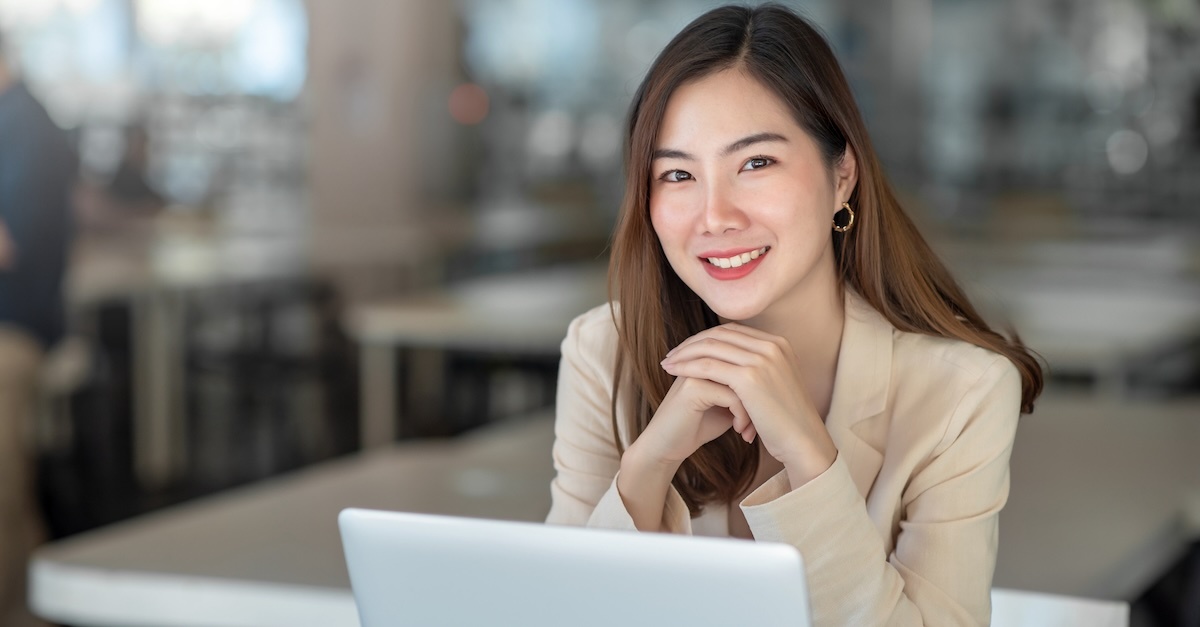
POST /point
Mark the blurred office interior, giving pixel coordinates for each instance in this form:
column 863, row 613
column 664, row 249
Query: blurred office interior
column 267, row 184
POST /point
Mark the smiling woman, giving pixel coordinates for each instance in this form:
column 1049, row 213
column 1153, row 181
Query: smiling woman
column 736, row 173
column 784, row 358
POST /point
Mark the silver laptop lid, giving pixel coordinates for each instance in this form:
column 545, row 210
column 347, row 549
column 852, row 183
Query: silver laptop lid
column 420, row 569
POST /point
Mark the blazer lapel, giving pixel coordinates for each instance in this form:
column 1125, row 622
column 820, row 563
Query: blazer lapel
column 857, row 420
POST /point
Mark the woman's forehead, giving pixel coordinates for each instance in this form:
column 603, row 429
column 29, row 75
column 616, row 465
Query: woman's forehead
column 712, row 112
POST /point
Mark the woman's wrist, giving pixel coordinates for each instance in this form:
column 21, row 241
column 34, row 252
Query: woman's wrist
column 643, row 484
column 805, row 465
column 646, row 466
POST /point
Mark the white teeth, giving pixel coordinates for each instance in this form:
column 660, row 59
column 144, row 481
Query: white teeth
column 737, row 260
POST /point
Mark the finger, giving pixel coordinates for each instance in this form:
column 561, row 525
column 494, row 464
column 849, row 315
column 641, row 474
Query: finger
column 740, row 423
column 740, row 415
column 708, row 368
column 715, row 349
column 697, row 394
column 741, row 336
column 701, row 336
column 749, row 434
column 712, row 394
column 748, row 337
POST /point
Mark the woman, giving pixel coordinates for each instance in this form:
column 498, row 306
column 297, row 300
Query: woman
column 786, row 359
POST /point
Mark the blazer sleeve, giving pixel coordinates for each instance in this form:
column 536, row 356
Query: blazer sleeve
column 586, row 459
column 940, row 572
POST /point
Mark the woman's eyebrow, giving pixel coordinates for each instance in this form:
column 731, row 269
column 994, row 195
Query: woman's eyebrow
column 745, row 142
column 750, row 140
column 671, row 153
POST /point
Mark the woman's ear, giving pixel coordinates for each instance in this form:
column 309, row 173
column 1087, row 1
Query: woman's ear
column 845, row 175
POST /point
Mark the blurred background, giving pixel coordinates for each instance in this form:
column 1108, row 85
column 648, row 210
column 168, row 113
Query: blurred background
column 305, row 227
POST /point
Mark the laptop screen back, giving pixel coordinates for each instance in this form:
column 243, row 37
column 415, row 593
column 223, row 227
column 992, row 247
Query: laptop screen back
column 420, row 569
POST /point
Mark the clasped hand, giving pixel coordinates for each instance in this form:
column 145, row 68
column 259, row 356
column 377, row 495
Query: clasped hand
column 735, row 376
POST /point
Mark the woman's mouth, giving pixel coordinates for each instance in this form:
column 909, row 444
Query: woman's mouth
column 734, row 266
column 738, row 260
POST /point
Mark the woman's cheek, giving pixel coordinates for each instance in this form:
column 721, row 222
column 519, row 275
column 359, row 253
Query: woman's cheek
column 667, row 218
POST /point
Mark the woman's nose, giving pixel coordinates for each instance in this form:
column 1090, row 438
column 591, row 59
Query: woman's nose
column 721, row 211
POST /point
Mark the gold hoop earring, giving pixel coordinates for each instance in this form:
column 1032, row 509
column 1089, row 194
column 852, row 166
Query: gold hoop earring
column 849, row 224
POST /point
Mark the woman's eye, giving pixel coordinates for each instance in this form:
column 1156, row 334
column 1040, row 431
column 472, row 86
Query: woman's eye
column 755, row 163
column 675, row 176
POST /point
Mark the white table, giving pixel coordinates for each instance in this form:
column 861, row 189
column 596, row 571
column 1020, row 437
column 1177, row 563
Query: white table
column 270, row 554
column 1098, row 509
column 1097, row 326
column 525, row 314
column 1097, row 305
column 1103, row 495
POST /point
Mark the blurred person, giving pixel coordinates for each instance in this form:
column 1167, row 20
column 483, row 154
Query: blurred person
column 124, row 207
column 37, row 171
column 784, row 358
column 129, row 189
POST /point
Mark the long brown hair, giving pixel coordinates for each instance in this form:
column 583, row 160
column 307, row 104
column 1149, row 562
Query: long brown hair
column 884, row 258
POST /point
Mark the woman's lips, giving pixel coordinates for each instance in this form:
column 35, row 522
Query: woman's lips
column 725, row 270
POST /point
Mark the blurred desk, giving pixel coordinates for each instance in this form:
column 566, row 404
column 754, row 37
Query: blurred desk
column 1101, row 493
column 153, row 273
column 1098, row 306
column 269, row 555
column 1102, row 327
column 1097, row 509
column 524, row 313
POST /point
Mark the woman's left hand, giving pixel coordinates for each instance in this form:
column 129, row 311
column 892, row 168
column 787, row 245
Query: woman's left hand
column 763, row 371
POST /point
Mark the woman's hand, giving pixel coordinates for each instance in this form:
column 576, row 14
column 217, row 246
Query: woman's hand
column 693, row 413
column 762, row 371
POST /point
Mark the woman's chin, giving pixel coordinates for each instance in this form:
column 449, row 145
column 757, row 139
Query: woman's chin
column 735, row 313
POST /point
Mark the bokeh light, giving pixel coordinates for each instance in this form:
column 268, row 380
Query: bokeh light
column 468, row 104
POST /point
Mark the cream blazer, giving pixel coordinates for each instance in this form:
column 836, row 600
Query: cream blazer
column 900, row 530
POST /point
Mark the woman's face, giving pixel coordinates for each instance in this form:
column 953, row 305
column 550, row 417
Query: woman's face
column 742, row 200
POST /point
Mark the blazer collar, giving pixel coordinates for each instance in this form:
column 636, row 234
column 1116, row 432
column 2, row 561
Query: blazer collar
column 857, row 420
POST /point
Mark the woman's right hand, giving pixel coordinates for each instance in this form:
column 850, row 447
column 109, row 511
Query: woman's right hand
column 693, row 413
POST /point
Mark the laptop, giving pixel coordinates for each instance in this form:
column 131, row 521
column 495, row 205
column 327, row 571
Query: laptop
column 427, row 570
